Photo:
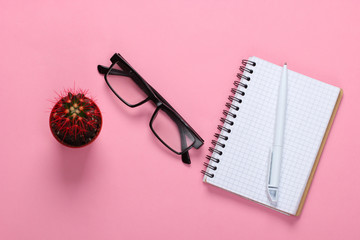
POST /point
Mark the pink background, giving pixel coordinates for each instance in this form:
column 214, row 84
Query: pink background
column 126, row 185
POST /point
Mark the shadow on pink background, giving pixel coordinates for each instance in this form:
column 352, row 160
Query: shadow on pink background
column 126, row 185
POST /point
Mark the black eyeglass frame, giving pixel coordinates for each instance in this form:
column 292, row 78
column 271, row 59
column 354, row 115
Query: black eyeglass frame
column 156, row 98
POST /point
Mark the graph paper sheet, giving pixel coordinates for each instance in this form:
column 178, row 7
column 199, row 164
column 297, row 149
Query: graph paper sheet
column 244, row 161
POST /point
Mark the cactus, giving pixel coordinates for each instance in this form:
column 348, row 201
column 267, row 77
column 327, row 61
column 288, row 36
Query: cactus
column 75, row 120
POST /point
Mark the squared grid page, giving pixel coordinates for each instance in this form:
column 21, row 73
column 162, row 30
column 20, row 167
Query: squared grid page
column 244, row 161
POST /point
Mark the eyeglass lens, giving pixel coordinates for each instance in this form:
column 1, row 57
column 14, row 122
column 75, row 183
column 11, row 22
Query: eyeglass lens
column 172, row 132
column 126, row 88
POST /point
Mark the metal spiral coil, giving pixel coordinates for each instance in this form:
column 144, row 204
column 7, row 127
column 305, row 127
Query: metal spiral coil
column 222, row 128
column 210, row 158
column 245, row 62
column 242, row 76
column 232, row 106
column 232, row 98
column 210, row 166
column 236, row 90
column 211, row 175
column 217, row 135
column 214, row 150
column 224, row 120
column 245, row 69
column 216, row 143
column 238, row 83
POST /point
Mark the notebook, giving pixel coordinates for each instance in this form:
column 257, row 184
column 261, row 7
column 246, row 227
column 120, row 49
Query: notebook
column 239, row 158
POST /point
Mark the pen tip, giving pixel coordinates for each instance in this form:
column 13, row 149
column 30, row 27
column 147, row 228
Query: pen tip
column 285, row 64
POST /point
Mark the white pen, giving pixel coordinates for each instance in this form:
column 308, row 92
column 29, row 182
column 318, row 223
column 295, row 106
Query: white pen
column 277, row 148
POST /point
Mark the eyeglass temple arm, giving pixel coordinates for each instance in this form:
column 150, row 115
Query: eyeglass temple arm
column 185, row 157
column 103, row 70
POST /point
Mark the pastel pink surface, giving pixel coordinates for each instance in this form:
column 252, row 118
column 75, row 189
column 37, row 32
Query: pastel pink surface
column 126, row 185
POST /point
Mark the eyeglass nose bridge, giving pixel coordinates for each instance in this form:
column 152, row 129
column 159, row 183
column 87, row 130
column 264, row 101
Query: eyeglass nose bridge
column 157, row 102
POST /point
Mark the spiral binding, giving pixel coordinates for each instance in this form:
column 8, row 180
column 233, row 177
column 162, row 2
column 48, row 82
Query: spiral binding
column 216, row 151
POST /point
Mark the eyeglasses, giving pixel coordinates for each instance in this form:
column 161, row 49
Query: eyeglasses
column 167, row 124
